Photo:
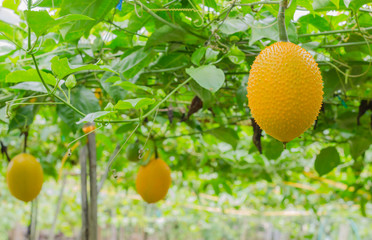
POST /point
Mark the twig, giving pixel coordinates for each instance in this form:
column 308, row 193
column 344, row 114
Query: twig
column 113, row 157
column 258, row 3
column 350, row 44
column 333, row 32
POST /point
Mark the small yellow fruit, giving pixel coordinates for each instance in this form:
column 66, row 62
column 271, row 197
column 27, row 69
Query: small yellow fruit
column 153, row 180
column 24, row 177
column 285, row 90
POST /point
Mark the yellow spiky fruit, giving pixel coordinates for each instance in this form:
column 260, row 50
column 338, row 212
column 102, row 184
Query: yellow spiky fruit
column 285, row 90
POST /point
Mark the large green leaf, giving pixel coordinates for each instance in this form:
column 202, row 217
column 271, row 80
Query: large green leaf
column 166, row 34
column 227, row 135
column 48, row 3
column 272, row 149
column 317, row 21
column 358, row 145
column 131, row 64
column 96, row 9
column 207, row 76
column 41, row 22
column 11, row 4
column 231, row 26
column 137, row 103
column 61, row 68
column 30, row 75
column 84, row 100
column 355, row 4
column 93, row 116
column 327, row 160
column 23, row 117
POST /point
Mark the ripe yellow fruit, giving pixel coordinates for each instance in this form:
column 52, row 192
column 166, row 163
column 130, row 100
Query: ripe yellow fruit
column 285, row 90
column 24, row 177
column 153, row 180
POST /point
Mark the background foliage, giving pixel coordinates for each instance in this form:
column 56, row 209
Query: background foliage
column 127, row 58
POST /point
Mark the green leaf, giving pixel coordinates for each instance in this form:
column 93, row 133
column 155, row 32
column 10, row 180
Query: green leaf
column 3, row 116
column 231, row 26
column 261, row 31
column 30, row 86
column 84, row 100
column 41, row 22
column 198, row 55
column 327, row 5
column 48, row 3
column 96, row 9
column 227, row 187
column 137, row 103
column 126, row 127
column 24, row 116
column 358, row 145
column 92, row 116
column 30, row 75
column 308, row 4
column 131, row 86
column 241, row 97
column 207, row 76
column 166, row 34
column 11, row 4
column 227, row 135
column 272, row 149
column 236, row 55
column 61, row 68
column 205, row 95
column 315, row 20
column 327, row 160
column 355, row 4
column 336, row 3
column 211, row 55
column 211, row 3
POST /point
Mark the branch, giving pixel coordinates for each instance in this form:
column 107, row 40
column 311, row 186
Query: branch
column 333, row 32
column 345, row 44
column 257, row 3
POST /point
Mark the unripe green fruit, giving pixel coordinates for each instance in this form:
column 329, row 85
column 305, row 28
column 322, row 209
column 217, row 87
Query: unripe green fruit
column 132, row 152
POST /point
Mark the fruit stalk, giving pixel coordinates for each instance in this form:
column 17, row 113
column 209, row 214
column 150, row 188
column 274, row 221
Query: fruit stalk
column 283, row 36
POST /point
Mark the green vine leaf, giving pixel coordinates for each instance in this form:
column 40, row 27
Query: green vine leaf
column 207, row 76
column 41, row 22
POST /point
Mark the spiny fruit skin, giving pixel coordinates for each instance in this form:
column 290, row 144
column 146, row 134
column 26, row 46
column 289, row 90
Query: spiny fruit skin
column 153, row 180
column 24, row 177
column 285, row 90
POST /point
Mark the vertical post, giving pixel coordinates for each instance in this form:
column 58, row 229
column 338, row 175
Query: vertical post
column 283, row 36
column 33, row 219
column 92, row 153
column 84, row 193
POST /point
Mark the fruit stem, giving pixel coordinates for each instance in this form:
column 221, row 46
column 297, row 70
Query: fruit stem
column 283, row 36
column 284, row 145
